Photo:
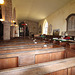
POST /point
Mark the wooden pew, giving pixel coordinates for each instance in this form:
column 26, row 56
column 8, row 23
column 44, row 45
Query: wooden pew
column 59, row 67
column 70, row 51
column 9, row 49
column 64, row 43
column 29, row 57
column 30, row 42
column 55, row 42
column 72, row 46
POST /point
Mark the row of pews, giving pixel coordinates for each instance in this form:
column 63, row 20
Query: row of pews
column 36, row 59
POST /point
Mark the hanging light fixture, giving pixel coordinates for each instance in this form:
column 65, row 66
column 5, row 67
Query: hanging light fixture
column 1, row 1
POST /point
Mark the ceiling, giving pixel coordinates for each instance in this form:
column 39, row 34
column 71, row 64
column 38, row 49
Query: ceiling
column 36, row 10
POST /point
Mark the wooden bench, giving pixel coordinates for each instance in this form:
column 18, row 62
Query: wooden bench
column 20, row 43
column 64, row 43
column 59, row 67
column 72, row 46
column 70, row 53
column 10, row 58
column 9, row 49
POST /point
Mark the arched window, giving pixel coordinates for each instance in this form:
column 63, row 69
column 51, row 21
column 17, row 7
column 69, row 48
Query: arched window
column 71, row 22
column 45, row 27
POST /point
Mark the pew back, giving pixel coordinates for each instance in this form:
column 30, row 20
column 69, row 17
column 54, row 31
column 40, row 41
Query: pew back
column 31, row 57
column 59, row 67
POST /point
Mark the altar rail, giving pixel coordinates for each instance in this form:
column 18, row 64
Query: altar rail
column 59, row 67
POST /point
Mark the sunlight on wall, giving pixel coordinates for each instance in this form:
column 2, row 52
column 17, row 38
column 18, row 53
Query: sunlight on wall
column 45, row 27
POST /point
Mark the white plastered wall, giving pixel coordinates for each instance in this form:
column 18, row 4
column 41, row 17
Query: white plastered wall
column 58, row 18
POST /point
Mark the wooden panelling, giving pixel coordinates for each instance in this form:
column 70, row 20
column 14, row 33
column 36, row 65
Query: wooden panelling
column 55, row 42
column 63, row 44
column 59, row 67
column 8, row 63
column 61, row 72
column 40, row 58
column 70, row 53
column 57, row 55
column 73, row 71
column 26, row 60
column 72, row 46
column 69, row 71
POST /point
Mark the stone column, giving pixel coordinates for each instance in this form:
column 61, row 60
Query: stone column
column 6, row 30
